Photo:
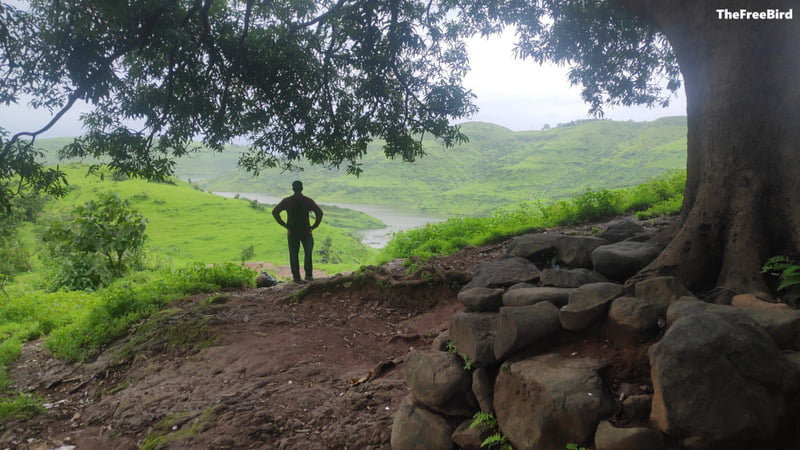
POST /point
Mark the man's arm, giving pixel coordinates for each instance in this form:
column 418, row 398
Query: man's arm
column 317, row 214
column 276, row 213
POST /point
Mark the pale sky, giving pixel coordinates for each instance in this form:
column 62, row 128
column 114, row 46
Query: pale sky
column 520, row 95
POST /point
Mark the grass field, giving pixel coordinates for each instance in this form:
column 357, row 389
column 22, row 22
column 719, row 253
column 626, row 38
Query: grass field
column 186, row 225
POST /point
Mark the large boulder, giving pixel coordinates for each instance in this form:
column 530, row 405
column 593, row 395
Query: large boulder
column 719, row 379
column 473, row 335
column 438, row 380
column 545, row 248
column 483, row 389
column 609, row 437
column 570, row 278
column 503, row 273
column 588, row 304
column 531, row 295
column 482, row 298
column 576, row 251
column 661, row 290
column 622, row 260
column 417, row 428
column 548, row 401
column 782, row 325
column 469, row 437
column 687, row 306
column 620, row 231
column 537, row 247
column 519, row 328
column 635, row 314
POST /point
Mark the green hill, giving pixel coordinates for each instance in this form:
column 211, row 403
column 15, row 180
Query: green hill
column 186, row 225
column 496, row 168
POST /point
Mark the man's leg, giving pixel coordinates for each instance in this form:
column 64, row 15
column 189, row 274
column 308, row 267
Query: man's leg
column 294, row 256
column 308, row 256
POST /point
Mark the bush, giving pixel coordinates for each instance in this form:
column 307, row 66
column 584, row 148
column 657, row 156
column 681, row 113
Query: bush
column 100, row 241
column 20, row 406
column 657, row 197
column 130, row 300
column 788, row 275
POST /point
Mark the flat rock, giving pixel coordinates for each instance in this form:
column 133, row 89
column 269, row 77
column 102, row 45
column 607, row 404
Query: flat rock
column 576, row 251
column 570, row 278
column 503, row 273
column 537, row 247
column 533, row 295
column 587, row 305
column 481, row 298
column 620, row 231
column 622, row 260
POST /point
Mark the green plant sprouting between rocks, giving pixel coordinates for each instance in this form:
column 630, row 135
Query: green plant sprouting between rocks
column 788, row 274
column 496, row 438
column 451, row 347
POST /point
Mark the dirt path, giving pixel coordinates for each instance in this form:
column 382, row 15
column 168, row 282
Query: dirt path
column 249, row 369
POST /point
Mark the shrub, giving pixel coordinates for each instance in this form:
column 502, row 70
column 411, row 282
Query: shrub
column 788, row 274
column 100, row 241
column 657, row 197
column 20, row 406
column 130, row 300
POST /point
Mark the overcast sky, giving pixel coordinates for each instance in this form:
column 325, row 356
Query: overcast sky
column 520, row 95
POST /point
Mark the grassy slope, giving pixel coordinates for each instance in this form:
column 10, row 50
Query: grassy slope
column 496, row 168
column 186, row 225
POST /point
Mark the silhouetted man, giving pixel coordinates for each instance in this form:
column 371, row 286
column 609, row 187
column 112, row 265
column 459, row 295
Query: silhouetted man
column 298, row 229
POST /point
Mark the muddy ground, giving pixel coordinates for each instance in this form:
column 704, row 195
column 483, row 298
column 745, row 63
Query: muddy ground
column 310, row 366
column 296, row 366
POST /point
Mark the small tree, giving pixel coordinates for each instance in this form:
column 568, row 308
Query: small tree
column 101, row 240
column 247, row 253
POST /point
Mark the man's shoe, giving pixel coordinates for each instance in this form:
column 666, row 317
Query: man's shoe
column 309, row 278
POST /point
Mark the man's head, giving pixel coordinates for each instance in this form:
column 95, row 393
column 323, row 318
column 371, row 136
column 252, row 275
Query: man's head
column 297, row 186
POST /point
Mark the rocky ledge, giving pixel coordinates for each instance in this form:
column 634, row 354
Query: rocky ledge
column 716, row 376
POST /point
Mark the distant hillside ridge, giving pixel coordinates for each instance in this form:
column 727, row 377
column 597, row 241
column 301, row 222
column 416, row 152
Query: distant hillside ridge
column 496, row 168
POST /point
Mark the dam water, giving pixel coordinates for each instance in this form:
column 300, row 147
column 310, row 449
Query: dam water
column 396, row 219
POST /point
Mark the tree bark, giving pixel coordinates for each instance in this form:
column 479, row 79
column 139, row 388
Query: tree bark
column 742, row 198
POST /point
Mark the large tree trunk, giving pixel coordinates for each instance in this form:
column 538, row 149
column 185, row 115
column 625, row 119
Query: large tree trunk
column 742, row 200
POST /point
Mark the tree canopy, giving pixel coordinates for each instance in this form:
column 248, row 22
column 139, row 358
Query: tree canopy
column 320, row 79
column 297, row 79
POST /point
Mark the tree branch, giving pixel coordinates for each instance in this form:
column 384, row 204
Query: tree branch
column 323, row 16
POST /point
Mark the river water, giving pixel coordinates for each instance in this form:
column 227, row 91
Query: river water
column 395, row 219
